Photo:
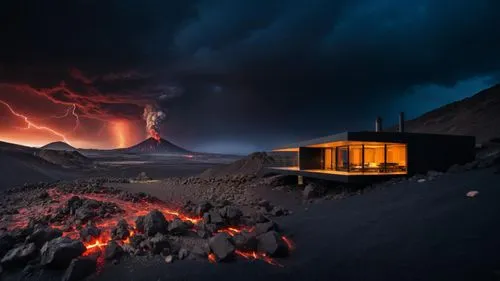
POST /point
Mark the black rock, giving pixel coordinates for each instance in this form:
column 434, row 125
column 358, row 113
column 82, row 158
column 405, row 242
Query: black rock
column 74, row 203
column 200, row 251
column 222, row 246
column 84, row 214
column 202, row 233
column 139, row 224
column 278, row 211
column 42, row 235
column 272, row 244
column 7, row 241
column 59, row 252
column 261, row 228
column 202, row 208
column 155, row 222
column 121, row 231
column 177, row 227
column 113, row 251
column 136, row 240
column 231, row 214
column 89, row 232
column 216, row 218
column 80, row 268
column 159, row 243
column 312, row 191
column 245, row 241
column 183, row 253
column 19, row 256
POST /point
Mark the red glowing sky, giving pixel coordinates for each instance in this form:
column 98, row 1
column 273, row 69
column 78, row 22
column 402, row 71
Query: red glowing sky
column 77, row 112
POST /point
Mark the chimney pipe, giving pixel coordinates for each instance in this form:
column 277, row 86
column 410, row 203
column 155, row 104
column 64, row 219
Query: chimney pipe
column 378, row 124
column 401, row 122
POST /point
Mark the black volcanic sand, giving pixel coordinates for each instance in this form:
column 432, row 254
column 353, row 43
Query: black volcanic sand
column 407, row 231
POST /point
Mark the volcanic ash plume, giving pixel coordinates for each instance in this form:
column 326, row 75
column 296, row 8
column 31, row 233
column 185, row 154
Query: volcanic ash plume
column 154, row 117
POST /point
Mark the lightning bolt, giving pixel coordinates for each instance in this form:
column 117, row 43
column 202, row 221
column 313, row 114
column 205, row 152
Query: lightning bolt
column 30, row 124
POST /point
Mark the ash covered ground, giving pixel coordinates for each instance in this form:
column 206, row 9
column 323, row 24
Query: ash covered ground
column 131, row 217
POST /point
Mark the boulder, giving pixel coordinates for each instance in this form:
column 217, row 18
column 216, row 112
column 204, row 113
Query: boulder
column 113, row 251
column 89, row 232
column 169, row 259
column 135, row 241
column 202, row 208
column 245, row 241
column 231, row 214
column 272, row 244
column 261, row 228
column 84, row 214
column 80, row 268
column 42, row 235
column 183, row 253
column 216, row 218
column 59, row 252
column 159, row 243
column 222, row 246
column 312, row 191
column 139, row 224
column 155, row 222
column 177, row 227
column 121, row 231
column 19, row 256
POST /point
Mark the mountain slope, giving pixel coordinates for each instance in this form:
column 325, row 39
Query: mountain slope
column 58, row 145
column 150, row 145
column 478, row 115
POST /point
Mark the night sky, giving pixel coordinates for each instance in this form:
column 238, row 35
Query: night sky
column 235, row 76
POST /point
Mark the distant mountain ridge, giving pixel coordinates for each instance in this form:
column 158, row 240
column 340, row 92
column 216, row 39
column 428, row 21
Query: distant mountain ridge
column 150, row 145
column 478, row 115
column 59, row 145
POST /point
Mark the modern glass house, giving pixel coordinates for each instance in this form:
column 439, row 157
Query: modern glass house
column 367, row 156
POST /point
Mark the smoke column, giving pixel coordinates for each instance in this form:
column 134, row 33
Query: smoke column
column 153, row 117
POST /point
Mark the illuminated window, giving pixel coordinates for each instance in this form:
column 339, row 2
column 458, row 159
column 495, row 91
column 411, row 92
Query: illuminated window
column 396, row 158
column 355, row 158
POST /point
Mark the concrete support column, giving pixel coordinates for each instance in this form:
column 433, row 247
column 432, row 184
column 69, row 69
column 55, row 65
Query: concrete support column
column 300, row 180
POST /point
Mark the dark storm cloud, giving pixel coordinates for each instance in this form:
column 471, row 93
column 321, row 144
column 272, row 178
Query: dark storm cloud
column 250, row 68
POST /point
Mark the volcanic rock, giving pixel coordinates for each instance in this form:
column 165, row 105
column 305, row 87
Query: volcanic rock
column 231, row 214
column 203, row 207
column 113, row 250
column 264, row 227
column 90, row 232
column 159, row 243
column 120, row 232
column 42, row 235
column 177, row 227
column 272, row 244
column 169, row 259
column 155, row 222
column 183, row 253
column 312, row 191
column 80, row 268
column 222, row 246
column 215, row 218
column 245, row 241
column 136, row 240
column 59, row 252
column 6, row 243
column 139, row 223
column 19, row 256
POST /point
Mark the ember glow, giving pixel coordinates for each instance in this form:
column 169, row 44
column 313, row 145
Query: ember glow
column 131, row 210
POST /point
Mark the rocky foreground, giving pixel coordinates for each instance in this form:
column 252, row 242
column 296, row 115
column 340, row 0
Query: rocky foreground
column 81, row 226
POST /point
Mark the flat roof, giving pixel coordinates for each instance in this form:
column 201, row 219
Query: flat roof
column 394, row 137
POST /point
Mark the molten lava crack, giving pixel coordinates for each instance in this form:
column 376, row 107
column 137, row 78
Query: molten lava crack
column 70, row 212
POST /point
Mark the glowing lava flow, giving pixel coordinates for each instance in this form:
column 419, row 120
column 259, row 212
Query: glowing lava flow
column 129, row 212
column 31, row 124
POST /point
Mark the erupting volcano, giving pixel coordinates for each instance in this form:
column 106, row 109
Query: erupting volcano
column 153, row 145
